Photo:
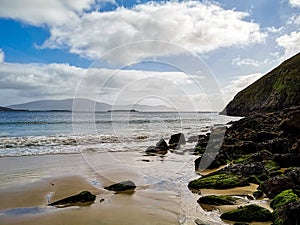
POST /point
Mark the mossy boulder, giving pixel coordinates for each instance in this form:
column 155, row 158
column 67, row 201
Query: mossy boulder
column 287, row 214
column 248, row 213
column 83, row 198
column 122, row 186
column 218, row 181
column 271, row 166
column 283, row 198
column 217, row 200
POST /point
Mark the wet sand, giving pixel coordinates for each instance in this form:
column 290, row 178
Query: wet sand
column 28, row 184
column 141, row 207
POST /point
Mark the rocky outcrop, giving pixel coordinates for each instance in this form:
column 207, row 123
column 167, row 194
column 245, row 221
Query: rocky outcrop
column 83, row 198
column 122, row 186
column 277, row 90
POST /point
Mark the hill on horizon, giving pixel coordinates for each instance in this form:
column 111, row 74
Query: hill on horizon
column 84, row 105
column 277, row 90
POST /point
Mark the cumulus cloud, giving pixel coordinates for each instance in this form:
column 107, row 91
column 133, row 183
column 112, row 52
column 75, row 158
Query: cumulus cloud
column 2, row 56
column 295, row 3
column 196, row 26
column 290, row 43
column 52, row 13
column 239, row 84
column 27, row 82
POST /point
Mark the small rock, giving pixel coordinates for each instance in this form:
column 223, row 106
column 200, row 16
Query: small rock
column 122, row 186
column 84, row 197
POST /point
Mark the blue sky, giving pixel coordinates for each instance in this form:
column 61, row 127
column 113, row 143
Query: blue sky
column 61, row 48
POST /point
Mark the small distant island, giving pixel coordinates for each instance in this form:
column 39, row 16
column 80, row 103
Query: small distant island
column 122, row 110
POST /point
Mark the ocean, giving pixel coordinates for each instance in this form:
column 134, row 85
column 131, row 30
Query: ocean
column 40, row 133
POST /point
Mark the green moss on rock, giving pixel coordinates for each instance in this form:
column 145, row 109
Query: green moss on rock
column 217, row 200
column 284, row 198
column 249, row 213
column 218, row 181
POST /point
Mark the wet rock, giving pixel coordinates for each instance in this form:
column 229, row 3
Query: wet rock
column 283, row 198
column 122, row 186
column 248, row 213
column 277, row 145
column 247, row 169
column 217, row 200
column 288, row 214
column 287, row 160
column 276, row 185
column 176, row 140
column 83, row 198
column 161, row 147
column 218, row 181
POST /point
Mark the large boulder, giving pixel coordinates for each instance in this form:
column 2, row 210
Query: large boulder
column 83, row 198
column 276, row 185
column 283, row 198
column 122, row 186
column 176, row 140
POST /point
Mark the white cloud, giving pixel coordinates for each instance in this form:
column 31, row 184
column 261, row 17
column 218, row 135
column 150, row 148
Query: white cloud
column 248, row 62
column 28, row 82
column 239, row 84
column 194, row 25
column 2, row 56
column 295, row 3
column 52, row 12
column 290, row 42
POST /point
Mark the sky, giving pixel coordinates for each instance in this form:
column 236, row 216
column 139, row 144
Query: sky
column 189, row 55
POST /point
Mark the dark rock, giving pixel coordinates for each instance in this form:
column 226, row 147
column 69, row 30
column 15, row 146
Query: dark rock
column 283, row 198
column 248, row 213
column 288, row 214
column 162, row 144
column 247, row 169
column 122, row 186
column 294, row 175
column 83, row 198
column 277, row 145
column 161, row 147
column 258, row 194
column 276, row 185
column 197, row 163
column 217, row 200
column 287, row 160
column 176, row 140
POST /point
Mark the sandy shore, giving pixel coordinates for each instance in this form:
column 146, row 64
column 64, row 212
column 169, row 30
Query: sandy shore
column 28, row 184
column 141, row 207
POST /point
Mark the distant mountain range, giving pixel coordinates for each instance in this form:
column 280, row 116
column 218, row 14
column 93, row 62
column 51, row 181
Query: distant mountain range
column 83, row 105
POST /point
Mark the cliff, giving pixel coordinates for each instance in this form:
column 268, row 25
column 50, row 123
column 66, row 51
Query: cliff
column 277, row 90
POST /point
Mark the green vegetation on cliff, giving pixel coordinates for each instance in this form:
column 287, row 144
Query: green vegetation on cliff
column 275, row 91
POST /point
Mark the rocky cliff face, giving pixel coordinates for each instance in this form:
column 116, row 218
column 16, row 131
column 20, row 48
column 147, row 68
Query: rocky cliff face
column 275, row 91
